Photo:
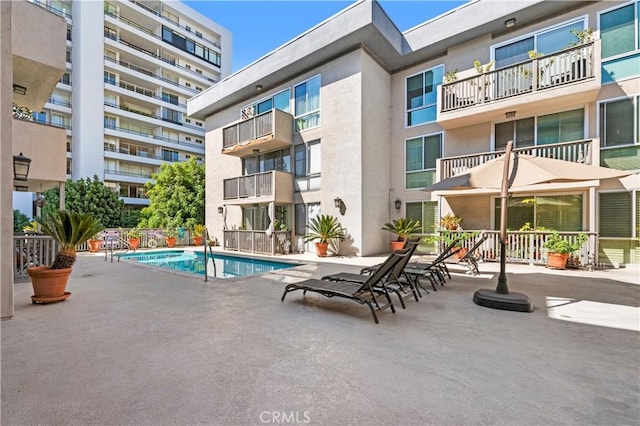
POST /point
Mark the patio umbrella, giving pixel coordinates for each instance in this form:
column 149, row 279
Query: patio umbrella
column 523, row 171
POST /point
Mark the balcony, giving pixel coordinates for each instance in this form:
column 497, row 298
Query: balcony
column 260, row 187
column 586, row 152
column 568, row 77
column 39, row 51
column 265, row 132
column 47, row 148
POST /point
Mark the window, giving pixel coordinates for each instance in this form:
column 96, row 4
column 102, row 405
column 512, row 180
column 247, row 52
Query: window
column 187, row 138
column 303, row 214
column 170, row 97
column 563, row 126
column 171, row 115
column 199, row 124
column 199, row 89
column 198, row 34
column 68, row 56
column 307, row 104
column 279, row 101
column 110, row 33
column 65, row 79
column 168, row 155
column 109, row 122
column 421, row 96
column 198, row 71
column 275, row 160
column 426, row 213
column 616, row 214
column 198, row 140
column 190, row 46
column 109, row 78
column 617, row 122
column 618, row 30
column 546, row 41
column 559, row 212
column 307, row 166
column 420, row 160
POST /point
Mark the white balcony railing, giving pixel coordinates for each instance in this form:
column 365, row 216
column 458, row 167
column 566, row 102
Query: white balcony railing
column 278, row 242
column 256, row 185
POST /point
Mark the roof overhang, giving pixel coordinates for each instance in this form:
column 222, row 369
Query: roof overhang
column 366, row 25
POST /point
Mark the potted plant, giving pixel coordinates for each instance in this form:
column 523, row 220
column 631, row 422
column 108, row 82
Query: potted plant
column 403, row 228
column 450, row 222
column 94, row 243
column 324, row 228
column 197, row 230
column 171, row 236
column 559, row 249
column 133, row 238
column 69, row 230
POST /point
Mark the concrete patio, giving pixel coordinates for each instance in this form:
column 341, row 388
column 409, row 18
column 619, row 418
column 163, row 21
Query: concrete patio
column 135, row 345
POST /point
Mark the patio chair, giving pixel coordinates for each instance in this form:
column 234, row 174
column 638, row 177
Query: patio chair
column 470, row 258
column 397, row 280
column 435, row 271
column 363, row 294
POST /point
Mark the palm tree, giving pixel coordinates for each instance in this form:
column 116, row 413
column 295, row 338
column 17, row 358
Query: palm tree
column 324, row 228
column 69, row 230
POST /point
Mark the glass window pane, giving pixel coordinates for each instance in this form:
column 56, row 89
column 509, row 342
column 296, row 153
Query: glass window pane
column 548, row 129
column 414, row 91
column 514, row 52
column 558, row 39
column 314, row 158
column 421, row 116
column 281, row 101
column 559, row 212
column 313, row 94
column 300, row 218
column 301, row 99
column 264, row 106
column 414, row 211
column 520, row 211
column 617, row 31
column 618, row 122
column 300, row 155
column 432, row 152
column 420, row 179
column 429, row 217
column 432, row 80
column 413, row 154
column 503, row 134
column 525, row 134
column 571, row 125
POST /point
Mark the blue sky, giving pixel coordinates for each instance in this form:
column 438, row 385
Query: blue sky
column 258, row 27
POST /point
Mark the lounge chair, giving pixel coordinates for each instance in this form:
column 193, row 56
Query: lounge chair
column 363, row 294
column 470, row 258
column 397, row 280
column 435, row 271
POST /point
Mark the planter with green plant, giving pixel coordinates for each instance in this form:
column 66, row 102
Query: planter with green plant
column 559, row 248
column 324, row 228
column 171, row 236
column 69, row 230
column 450, row 222
column 403, row 228
column 94, row 243
column 197, row 231
column 133, row 238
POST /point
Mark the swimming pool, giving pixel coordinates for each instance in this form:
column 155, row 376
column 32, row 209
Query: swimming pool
column 226, row 266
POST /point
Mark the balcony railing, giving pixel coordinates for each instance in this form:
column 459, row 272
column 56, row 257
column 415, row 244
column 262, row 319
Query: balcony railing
column 278, row 242
column 149, row 134
column 256, row 185
column 545, row 72
column 267, row 131
column 150, row 74
column 251, row 129
column 577, row 152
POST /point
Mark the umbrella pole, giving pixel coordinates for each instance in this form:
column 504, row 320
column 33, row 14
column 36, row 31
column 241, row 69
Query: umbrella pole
column 500, row 298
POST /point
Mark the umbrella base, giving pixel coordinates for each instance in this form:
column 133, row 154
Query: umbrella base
column 516, row 302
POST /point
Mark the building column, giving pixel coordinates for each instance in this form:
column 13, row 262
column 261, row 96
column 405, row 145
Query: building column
column 61, row 197
column 7, row 256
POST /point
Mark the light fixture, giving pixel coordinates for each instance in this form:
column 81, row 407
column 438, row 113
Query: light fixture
column 220, row 209
column 21, row 167
column 510, row 114
column 40, row 202
column 19, row 90
column 398, row 204
column 258, row 87
column 256, row 151
column 21, row 188
column 337, row 202
column 510, row 23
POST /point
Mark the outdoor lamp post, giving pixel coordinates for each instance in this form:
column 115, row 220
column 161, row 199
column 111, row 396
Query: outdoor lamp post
column 21, row 167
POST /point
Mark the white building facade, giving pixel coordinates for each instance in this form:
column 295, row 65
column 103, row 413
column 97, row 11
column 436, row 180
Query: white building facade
column 123, row 98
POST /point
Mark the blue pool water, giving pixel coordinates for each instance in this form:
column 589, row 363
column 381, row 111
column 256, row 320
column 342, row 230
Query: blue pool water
column 226, row 266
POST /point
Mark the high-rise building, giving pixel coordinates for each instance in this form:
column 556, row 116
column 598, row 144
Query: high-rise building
column 123, row 97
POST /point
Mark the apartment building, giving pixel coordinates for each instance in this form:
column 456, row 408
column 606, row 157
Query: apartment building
column 122, row 99
column 354, row 118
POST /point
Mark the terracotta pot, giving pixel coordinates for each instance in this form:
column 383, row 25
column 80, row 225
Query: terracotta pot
column 171, row 241
column 197, row 241
column 460, row 253
column 396, row 245
column 321, row 249
column 557, row 260
column 94, row 245
column 134, row 242
column 49, row 284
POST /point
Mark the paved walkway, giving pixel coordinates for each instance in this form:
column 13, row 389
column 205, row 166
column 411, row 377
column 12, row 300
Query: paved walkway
column 135, row 345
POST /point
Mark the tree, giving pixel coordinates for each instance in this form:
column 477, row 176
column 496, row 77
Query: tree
column 20, row 220
column 90, row 197
column 177, row 196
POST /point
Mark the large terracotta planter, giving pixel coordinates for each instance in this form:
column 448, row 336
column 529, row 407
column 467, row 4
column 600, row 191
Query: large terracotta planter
column 321, row 249
column 94, row 245
column 396, row 245
column 134, row 242
column 171, row 241
column 49, row 285
column 461, row 252
column 197, row 241
column 557, row 260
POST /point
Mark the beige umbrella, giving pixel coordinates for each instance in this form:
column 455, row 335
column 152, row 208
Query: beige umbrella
column 504, row 173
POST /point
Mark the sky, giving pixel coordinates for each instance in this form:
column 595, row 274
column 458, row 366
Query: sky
column 258, row 27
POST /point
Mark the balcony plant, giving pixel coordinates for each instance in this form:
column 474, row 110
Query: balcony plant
column 94, row 243
column 69, row 230
column 450, row 222
column 197, row 230
column 403, row 228
column 133, row 238
column 324, row 228
column 559, row 248
column 171, row 235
